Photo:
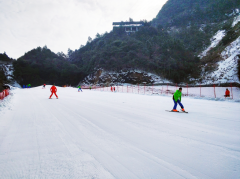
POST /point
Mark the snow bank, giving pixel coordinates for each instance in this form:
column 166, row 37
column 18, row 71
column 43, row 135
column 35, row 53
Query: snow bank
column 6, row 103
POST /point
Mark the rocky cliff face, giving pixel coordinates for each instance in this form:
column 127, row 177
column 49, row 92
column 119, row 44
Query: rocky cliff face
column 102, row 77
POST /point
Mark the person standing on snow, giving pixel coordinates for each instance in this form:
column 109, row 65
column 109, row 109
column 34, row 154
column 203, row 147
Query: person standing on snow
column 177, row 100
column 79, row 88
column 44, row 86
column 227, row 93
column 53, row 89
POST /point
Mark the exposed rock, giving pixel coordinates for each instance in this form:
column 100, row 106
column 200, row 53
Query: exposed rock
column 101, row 77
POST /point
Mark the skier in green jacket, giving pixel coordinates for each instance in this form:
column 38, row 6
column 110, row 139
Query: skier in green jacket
column 79, row 88
column 177, row 100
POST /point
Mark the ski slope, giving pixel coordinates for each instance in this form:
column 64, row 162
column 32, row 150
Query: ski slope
column 94, row 134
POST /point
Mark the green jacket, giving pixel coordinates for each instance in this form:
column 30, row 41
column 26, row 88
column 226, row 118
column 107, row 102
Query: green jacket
column 79, row 86
column 177, row 95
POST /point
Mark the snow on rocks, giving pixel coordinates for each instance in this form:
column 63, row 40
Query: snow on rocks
column 215, row 40
column 236, row 20
column 227, row 68
column 7, row 68
column 233, row 48
column 103, row 77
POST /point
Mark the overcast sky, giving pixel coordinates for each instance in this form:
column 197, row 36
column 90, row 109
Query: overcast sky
column 63, row 24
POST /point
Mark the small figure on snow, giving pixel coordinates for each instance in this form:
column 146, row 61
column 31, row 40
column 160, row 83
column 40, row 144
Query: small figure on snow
column 44, row 86
column 177, row 100
column 111, row 88
column 53, row 89
column 90, row 87
column 227, row 93
column 79, row 88
column 114, row 88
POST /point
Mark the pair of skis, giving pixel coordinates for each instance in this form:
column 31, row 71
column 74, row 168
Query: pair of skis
column 177, row 111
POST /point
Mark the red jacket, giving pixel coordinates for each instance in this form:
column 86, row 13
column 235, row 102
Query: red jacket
column 53, row 89
column 227, row 93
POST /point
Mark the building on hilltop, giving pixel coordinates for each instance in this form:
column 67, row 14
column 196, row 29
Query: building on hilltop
column 129, row 27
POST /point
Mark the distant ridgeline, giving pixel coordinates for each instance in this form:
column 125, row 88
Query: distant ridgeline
column 4, row 59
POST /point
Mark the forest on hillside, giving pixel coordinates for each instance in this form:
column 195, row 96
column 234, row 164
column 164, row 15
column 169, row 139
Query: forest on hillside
column 192, row 12
column 42, row 66
column 194, row 22
column 167, row 46
column 150, row 49
column 3, row 59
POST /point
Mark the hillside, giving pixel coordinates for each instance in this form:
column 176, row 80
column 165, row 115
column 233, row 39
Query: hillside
column 209, row 29
column 221, row 58
column 150, row 50
column 5, row 70
column 42, row 66
column 181, row 13
column 194, row 22
column 170, row 46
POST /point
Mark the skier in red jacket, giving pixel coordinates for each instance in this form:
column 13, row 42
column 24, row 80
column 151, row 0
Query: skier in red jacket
column 53, row 89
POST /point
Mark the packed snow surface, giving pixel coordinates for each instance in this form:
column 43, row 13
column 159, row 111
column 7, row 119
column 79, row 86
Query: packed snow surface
column 96, row 134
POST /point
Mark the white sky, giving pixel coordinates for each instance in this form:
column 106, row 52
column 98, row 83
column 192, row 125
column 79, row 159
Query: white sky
column 63, row 24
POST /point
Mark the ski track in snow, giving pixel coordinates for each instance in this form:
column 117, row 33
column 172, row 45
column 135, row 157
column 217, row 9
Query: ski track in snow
column 94, row 134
